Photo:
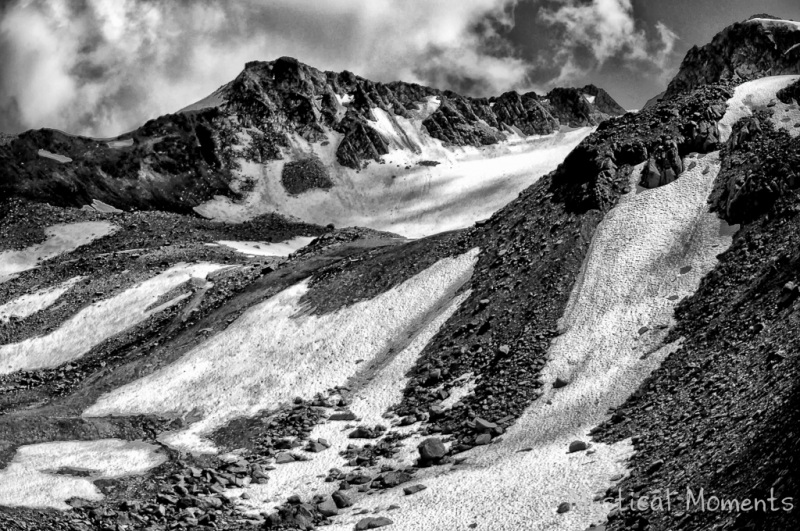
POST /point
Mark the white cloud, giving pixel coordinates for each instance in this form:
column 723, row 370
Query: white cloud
column 102, row 67
column 606, row 29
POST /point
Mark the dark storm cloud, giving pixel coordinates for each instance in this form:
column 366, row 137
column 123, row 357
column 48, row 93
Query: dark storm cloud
column 102, row 67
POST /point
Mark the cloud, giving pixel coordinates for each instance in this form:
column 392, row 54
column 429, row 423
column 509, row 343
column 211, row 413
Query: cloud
column 102, row 67
column 593, row 33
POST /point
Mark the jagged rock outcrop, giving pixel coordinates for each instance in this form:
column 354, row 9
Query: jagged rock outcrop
column 761, row 165
column 659, row 136
column 790, row 94
column 579, row 107
column 663, row 166
column 760, row 46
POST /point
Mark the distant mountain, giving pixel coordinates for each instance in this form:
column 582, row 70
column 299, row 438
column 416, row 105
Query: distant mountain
column 281, row 110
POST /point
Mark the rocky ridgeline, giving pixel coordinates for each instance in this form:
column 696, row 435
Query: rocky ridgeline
column 178, row 161
column 741, row 52
column 286, row 96
column 659, row 136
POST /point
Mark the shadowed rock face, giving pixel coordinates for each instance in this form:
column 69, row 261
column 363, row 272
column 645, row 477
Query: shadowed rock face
column 743, row 51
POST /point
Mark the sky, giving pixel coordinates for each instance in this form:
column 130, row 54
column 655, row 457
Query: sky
column 103, row 67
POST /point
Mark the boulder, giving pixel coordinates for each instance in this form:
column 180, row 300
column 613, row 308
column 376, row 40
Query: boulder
column 577, row 446
column 432, row 449
column 372, row 522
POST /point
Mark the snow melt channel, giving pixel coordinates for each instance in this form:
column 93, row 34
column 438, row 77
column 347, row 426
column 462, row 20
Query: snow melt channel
column 272, row 354
column 98, row 322
column 630, row 279
column 47, row 475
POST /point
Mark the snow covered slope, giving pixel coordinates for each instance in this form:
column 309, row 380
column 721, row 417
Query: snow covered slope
column 404, row 194
column 650, row 251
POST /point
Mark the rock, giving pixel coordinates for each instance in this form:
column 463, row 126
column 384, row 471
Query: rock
column 283, row 458
column 362, row 432
column 563, row 507
column 413, row 489
column 395, row 478
column 372, row 522
column 328, row 507
column 577, row 446
column 655, row 465
column 432, row 449
column 560, row 382
column 482, row 439
column 341, row 499
column 484, row 425
column 343, row 415
column 316, row 447
column 167, row 499
column 685, row 269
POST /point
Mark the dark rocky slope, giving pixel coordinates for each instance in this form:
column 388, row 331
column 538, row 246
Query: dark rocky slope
column 721, row 414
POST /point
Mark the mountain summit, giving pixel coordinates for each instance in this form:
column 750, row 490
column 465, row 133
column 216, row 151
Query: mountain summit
column 285, row 137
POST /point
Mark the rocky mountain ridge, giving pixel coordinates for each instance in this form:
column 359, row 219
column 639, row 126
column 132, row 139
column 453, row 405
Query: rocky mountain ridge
column 176, row 162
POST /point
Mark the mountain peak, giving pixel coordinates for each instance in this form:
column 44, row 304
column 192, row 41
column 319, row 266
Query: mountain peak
column 763, row 45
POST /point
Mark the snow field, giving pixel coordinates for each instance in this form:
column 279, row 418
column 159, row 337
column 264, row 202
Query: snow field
column 369, row 404
column 36, row 476
column 400, row 195
column 31, row 303
column 61, row 238
column 55, row 156
column 759, row 93
column 284, row 248
column 274, row 353
column 632, row 270
column 98, row 322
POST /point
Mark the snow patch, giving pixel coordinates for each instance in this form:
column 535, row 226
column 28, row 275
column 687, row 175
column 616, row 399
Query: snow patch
column 632, row 269
column 99, row 206
column 273, row 353
column 61, row 238
column 345, row 99
column 589, row 98
column 39, row 475
column 758, row 94
column 284, row 248
column 98, row 322
column 465, row 388
column 773, row 23
column 117, row 144
column 31, row 303
column 369, row 404
column 55, row 156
